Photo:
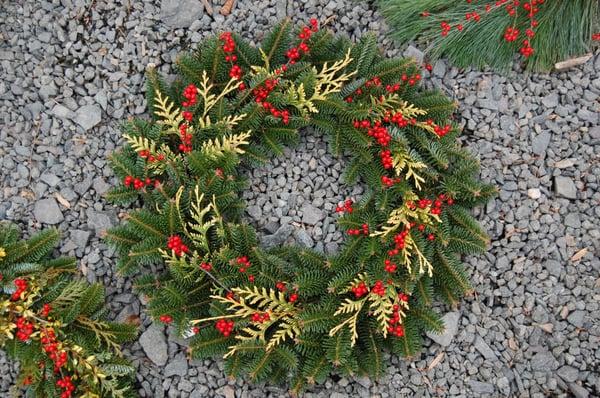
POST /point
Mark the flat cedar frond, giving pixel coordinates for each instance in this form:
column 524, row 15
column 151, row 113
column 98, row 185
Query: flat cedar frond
column 210, row 99
column 405, row 165
column 197, row 228
column 230, row 143
column 349, row 307
column 169, row 115
column 326, row 84
column 383, row 307
column 405, row 215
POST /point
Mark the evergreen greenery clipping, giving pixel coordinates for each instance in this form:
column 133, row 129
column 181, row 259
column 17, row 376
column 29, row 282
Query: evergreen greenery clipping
column 54, row 324
column 291, row 313
column 486, row 32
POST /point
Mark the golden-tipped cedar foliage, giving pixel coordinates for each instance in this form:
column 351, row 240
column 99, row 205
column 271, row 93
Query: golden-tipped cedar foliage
column 305, row 349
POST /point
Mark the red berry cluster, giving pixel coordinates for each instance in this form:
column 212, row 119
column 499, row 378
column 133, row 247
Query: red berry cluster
column 138, row 183
column 24, row 329
column 511, row 34
column 176, row 244
column 293, row 298
column 400, row 241
column 390, row 88
column 251, row 278
column 67, row 385
column 360, row 289
column 166, row 318
column 294, row 53
column 257, row 317
column 225, row 327
column 190, row 93
column 388, row 181
column 442, row 131
column 395, row 327
column 389, row 266
column 380, row 133
column 596, row 36
column 347, row 207
column 145, row 154
column 386, row 159
column 244, row 263
column 21, row 285
column 186, row 138
column 235, row 72
column 356, row 231
column 206, row 266
column 51, row 347
column 378, row 288
column 46, row 308
column 281, row 286
column 187, row 115
column 260, row 96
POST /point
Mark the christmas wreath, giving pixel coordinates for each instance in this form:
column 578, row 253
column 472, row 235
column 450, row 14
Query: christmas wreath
column 291, row 311
column 54, row 324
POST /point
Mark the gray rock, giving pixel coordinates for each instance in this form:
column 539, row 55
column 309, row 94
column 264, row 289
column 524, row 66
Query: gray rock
column 278, row 238
column 88, row 116
column 413, row 52
column 551, row 100
column 101, row 99
column 303, row 238
column 568, row 373
column 310, row 214
column 80, row 238
column 576, row 318
column 572, row 220
column 226, row 391
column 47, row 211
column 484, row 349
column 450, row 328
column 534, row 193
column 479, row 387
column 62, row 112
column 176, row 367
column 180, row 13
column 565, row 187
column 98, row 221
column 439, row 69
column 51, row 179
column 540, row 143
column 543, row 361
column 578, row 391
column 154, row 344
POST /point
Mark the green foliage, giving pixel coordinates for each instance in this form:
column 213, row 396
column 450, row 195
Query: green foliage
column 316, row 325
column 52, row 301
column 565, row 30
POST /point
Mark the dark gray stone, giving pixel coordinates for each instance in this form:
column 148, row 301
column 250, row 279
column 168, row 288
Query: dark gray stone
column 450, row 328
column 154, row 344
column 565, row 187
column 88, row 116
column 180, row 13
column 47, row 211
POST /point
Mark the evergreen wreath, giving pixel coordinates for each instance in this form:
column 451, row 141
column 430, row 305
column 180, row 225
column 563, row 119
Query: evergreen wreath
column 291, row 311
column 491, row 32
column 55, row 326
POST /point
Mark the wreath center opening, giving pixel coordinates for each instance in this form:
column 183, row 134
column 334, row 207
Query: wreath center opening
column 293, row 198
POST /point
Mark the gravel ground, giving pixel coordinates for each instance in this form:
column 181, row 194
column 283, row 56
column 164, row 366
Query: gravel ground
column 73, row 69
